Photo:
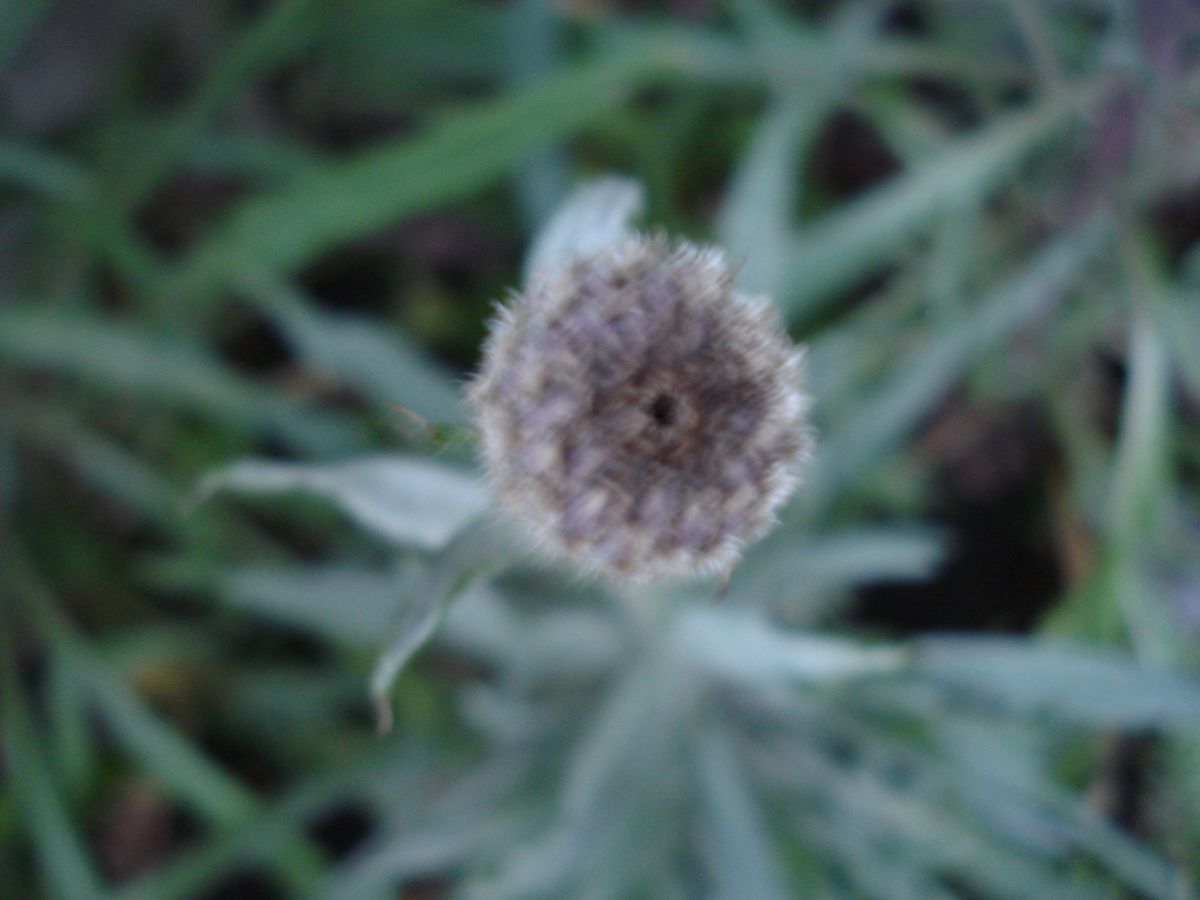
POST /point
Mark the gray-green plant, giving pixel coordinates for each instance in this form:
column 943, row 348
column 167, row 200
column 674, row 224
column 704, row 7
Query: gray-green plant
column 552, row 736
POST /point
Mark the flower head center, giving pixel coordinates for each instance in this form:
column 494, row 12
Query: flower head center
column 663, row 410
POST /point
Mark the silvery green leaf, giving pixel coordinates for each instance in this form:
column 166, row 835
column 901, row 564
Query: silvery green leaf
column 555, row 643
column 426, row 828
column 1072, row 683
column 405, row 500
column 841, row 842
column 337, row 602
column 500, row 715
column 615, row 817
column 537, row 869
column 418, row 620
column 620, row 731
column 613, row 737
column 592, row 218
column 482, row 625
column 743, row 647
column 478, row 551
column 736, row 847
column 569, row 643
column 997, row 768
column 1182, row 314
column 799, row 575
column 912, row 823
column 1181, row 789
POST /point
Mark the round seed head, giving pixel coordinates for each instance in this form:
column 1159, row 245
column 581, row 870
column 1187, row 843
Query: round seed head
column 640, row 415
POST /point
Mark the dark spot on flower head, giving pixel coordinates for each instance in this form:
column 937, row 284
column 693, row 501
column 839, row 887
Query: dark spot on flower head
column 662, row 410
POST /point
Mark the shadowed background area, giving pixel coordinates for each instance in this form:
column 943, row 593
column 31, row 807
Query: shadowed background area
column 248, row 252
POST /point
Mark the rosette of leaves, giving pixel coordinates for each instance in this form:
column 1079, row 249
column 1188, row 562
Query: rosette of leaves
column 672, row 747
column 640, row 740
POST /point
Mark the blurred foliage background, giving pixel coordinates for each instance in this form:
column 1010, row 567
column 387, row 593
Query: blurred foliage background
column 238, row 238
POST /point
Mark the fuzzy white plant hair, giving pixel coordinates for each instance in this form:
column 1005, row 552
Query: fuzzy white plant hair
column 641, row 416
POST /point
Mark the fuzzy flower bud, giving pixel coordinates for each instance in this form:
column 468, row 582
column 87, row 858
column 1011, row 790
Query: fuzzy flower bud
column 639, row 414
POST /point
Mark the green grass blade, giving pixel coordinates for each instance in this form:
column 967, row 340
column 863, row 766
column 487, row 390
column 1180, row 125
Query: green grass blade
column 104, row 464
column 390, row 52
column 451, row 158
column 374, row 360
column 533, row 46
column 282, row 32
column 136, row 364
column 74, row 752
column 265, row 836
column 1141, row 480
column 880, row 421
column 171, row 758
column 267, row 160
column 17, row 19
column 32, row 168
column 852, row 240
column 183, row 770
column 61, row 856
